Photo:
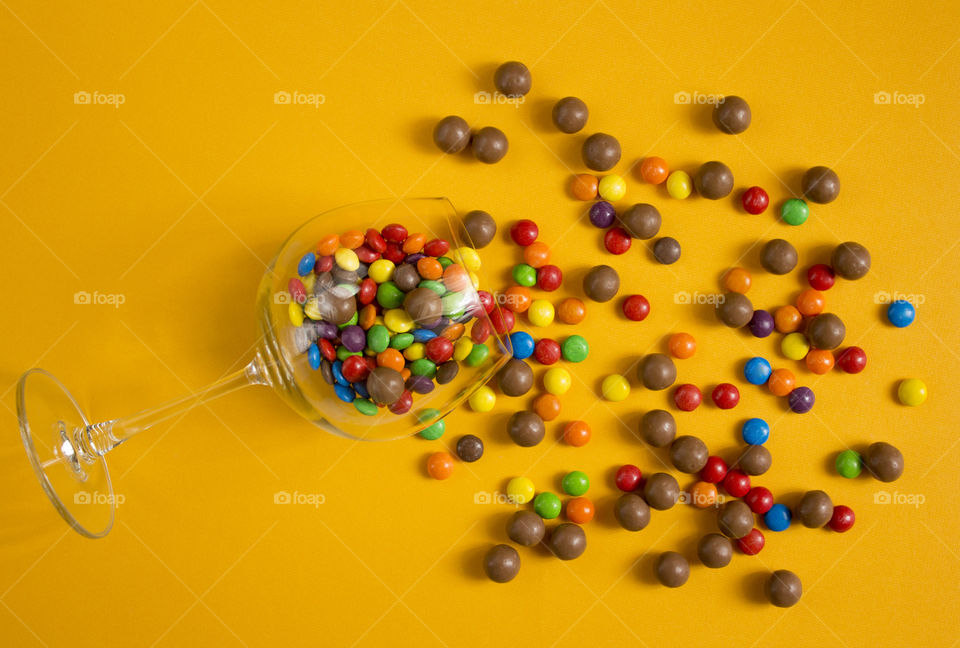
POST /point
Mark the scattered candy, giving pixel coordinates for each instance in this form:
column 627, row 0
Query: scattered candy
column 601, row 283
column 440, row 465
column 883, row 461
column 600, row 152
column 821, row 184
column 901, row 313
column 502, row 563
column 783, row 588
column 469, row 448
column 612, row 188
column 658, row 428
column 667, row 250
column 673, row 570
column 778, row 518
column 815, row 509
column 482, row 400
column 714, row 180
column 752, row 543
column 687, row 397
column 842, row 519
column 577, row 433
column 568, row 541
column 547, row 505
column 821, row 277
column 628, row 478
column 852, row 360
column 737, row 280
column 850, row 260
column 732, row 115
column 526, row 528
column 725, row 396
column 757, row 371
column 682, row 345
column 679, row 185
column 794, row 346
column 654, row 170
column 755, row 200
column 520, row 490
column 579, row 510
column 575, row 483
column 794, row 212
column 755, row 431
column 524, row 232
column 849, row 464
column 715, row 550
column 632, row 512
column 615, row 388
column 570, row 114
column 778, row 257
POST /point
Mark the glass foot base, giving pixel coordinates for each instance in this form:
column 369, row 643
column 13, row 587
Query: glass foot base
column 53, row 429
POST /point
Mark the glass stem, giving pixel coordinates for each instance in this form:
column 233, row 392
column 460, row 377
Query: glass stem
column 101, row 438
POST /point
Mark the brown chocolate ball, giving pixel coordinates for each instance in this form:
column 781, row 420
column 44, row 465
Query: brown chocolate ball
column 826, row 331
column 489, row 145
column 657, row 371
column 735, row 519
column 469, row 448
column 631, row 512
column 883, row 461
column 714, row 180
column 732, row 115
column 715, row 551
column 570, row 114
column 735, row 310
column 385, row 385
column 344, row 277
column 515, row 378
column 661, row 491
column 673, row 570
column 526, row 528
column 478, row 228
column 658, row 428
column 815, row 509
column 850, row 260
column 512, row 79
column 601, row 152
column 336, row 306
column 755, row 460
column 601, row 283
column 778, row 257
column 526, row 429
column 689, row 454
column 821, row 184
column 642, row 221
column 501, row 563
column 447, row 371
column 667, row 250
column 568, row 541
column 406, row 277
column 451, row 134
column 783, row 588
column 423, row 306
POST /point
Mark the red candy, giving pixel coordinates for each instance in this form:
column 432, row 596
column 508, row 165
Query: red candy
column 403, row 404
column 393, row 253
column 355, row 369
column 481, row 330
column 367, row 292
column 714, row 471
column 524, row 232
column 547, row 351
column 549, row 278
column 755, row 200
column 820, row 277
column 842, row 519
column 366, row 254
column 616, row 240
column 687, row 397
column 852, row 360
column 725, row 396
column 327, row 349
column 438, row 349
column 395, row 233
column 374, row 241
column 297, row 291
column 636, row 308
column 759, row 499
column 323, row 264
column 752, row 543
column 737, row 483
column 502, row 320
column 486, row 300
column 628, row 478
column 436, row 247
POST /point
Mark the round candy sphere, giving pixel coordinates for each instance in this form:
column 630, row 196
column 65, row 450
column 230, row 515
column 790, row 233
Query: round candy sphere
column 575, row 349
column 602, row 214
column 901, row 313
column 794, row 346
column 570, row 114
column 912, row 392
column 687, row 397
column 725, row 396
column 714, row 470
column 850, row 260
column 540, row 313
column 522, row 344
column 572, row 311
column 547, row 505
column 794, row 212
column 777, row 518
column 787, row 319
column 761, row 324
column 502, row 563
column 577, row 433
column 524, row 232
column 821, row 277
column 584, row 186
column 852, row 360
column 526, row 429
column 752, row 543
column 783, row 588
column 682, row 345
column 451, row 134
column 842, row 519
column 520, row 490
column 883, row 461
column 732, row 115
column 617, row 240
column 679, row 185
column 821, row 184
column 615, row 388
column 628, row 478
column 557, row 381
column 801, row 400
column 512, row 79
column 654, row 170
column 755, row 200
column 440, row 465
column 612, row 187
column 489, row 145
column 600, row 152
column 757, row 371
column 526, row 528
column 714, row 180
column 575, row 483
column 755, row 431
column 636, row 308
column 849, row 464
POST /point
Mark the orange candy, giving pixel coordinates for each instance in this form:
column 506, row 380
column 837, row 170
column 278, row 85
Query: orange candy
column 584, row 186
column 782, row 382
column 352, row 239
column 517, row 298
column 328, row 244
column 654, row 170
column 580, row 510
column 367, row 316
column 811, row 302
column 787, row 319
column 390, row 358
column 571, row 311
column 577, row 433
column 819, row 361
column 703, row 494
column 682, row 345
column 536, row 255
column 429, row 268
column 737, row 280
column 440, row 465
column 414, row 243
column 453, row 332
column 547, row 406
column 455, row 277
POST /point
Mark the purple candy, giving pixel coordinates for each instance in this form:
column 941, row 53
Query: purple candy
column 602, row 214
column 420, row 384
column 801, row 400
column 353, row 338
column 413, row 258
column 439, row 326
column 327, row 331
column 761, row 324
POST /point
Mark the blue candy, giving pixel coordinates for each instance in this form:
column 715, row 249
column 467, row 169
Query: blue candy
column 361, row 389
column 423, row 335
column 338, row 375
column 522, row 343
column 757, row 371
column 313, row 357
column 344, row 393
column 777, row 518
column 755, row 431
column 306, row 264
column 901, row 313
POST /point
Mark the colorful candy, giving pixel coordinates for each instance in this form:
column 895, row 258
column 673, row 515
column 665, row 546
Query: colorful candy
column 679, row 185
column 577, row 433
column 687, row 397
column 654, row 170
column 849, row 464
column 755, row 200
column 636, row 308
column 520, row 490
column 575, row 483
column 901, row 313
column 628, row 478
column 612, row 188
column 725, row 396
column 615, row 388
column 440, row 465
column 755, row 431
column 757, row 371
column 682, row 345
column 547, row 505
column 912, row 392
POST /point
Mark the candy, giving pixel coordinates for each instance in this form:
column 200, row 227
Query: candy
column 469, row 448
column 732, row 115
column 549, row 278
column 440, row 465
column 901, row 313
column 761, row 324
column 688, row 454
column 600, row 152
column 755, row 200
column 515, row 378
column 636, row 308
column 658, row 428
column 654, row 170
column 715, row 551
column 849, row 463
column 679, row 185
column 703, row 495
column 577, row 433
column 661, row 491
column 557, row 381
column 520, row 490
column 787, row 319
column 757, row 371
column 489, row 145
column 575, row 349
column 571, row 311
column 657, row 371
column 524, row 274
column 667, row 250
column 540, row 313
column 672, row 569
column 641, row 221
column 815, row 509
column 810, row 302
column 522, row 344
column 852, row 360
column 883, row 461
column 615, row 388
column 714, row 470
column 451, row 134
column 526, row 429
column 547, row 406
column 735, row 519
column 755, row 431
column 526, row 528
column 483, row 399
column 819, row 361
column 546, row 351
column 752, row 543
column 755, row 460
column 632, row 512
column 820, row 276
column 783, row 588
column 628, row 478
column 682, row 345
column 570, row 114
column 850, row 260
column 826, row 331
column 734, row 310
column 478, row 227
column 612, row 187
column 821, row 184
column 435, row 430
column 777, row 518
column 714, row 180
column 737, row 280
column 524, row 232
column 687, row 397
column 568, row 541
column 794, row 346
column 575, row 483
column 617, row 241
column 512, row 79
column 782, row 382
column 842, row 519
column 801, row 400
column 725, row 396
column 759, row 499
column 602, row 214
column 537, row 254
column 584, row 186
column 501, row 563
column 794, row 211
column 547, row 505
column 306, row 264
column 385, row 385
column 778, row 257
column 517, row 298
column 737, row 484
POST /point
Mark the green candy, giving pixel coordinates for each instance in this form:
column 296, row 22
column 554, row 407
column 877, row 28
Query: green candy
column 575, row 349
column 434, row 431
column 524, row 275
column 794, row 212
column 378, row 338
column 477, row 355
column 401, row 341
column 576, row 483
column 849, row 464
column 351, row 321
column 343, row 353
column 547, row 505
column 444, row 261
column 423, row 367
column 365, row 406
column 435, row 286
column 453, row 303
column 389, row 296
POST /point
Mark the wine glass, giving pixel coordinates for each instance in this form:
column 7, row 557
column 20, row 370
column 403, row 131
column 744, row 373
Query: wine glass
column 67, row 451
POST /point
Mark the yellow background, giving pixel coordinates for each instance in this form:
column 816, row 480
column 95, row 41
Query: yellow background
column 178, row 197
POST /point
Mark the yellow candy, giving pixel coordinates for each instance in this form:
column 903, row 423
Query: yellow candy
column 615, row 388
column 679, row 185
column 312, row 309
column 346, row 259
column 612, row 187
column 540, row 312
column 467, row 257
column 520, row 490
column 912, row 392
column 462, row 348
column 308, row 282
column 795, row 346
column 557, row 381
column 397, row 320
column 296, row 313
column 474, row 279
column 381, row 270
column 414, row 351
column 483, row 399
